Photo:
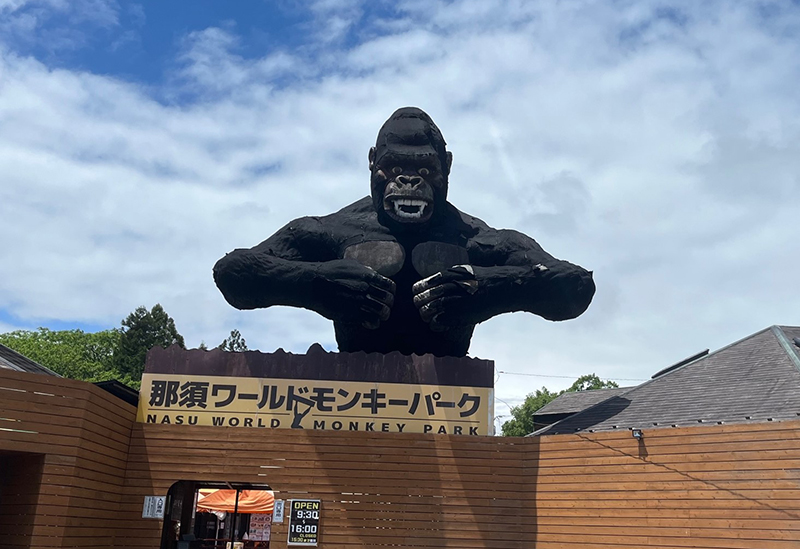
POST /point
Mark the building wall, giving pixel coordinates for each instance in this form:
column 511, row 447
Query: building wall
column 718, row 486
column 81, row 435
column 20, row 479
column 731, row 486
column 376, row 488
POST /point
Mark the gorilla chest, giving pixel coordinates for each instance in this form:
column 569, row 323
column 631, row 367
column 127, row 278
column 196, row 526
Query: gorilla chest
column 389, row 257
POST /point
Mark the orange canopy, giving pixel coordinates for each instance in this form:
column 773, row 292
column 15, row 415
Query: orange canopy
column 250, row 501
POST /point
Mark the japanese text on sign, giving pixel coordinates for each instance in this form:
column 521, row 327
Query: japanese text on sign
column 314, row 404
column 154, row 507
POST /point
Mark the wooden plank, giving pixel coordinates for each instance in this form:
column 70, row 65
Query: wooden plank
column 707, row 487
column 27, row 419
column 666, row 432
column 35, row 383
column 667, row 437
column 44, row 406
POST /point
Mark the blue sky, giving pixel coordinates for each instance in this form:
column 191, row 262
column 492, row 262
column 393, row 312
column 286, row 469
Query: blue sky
column 652, row 141
column 140, row 41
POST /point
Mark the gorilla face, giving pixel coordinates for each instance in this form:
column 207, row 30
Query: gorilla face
column 409, row 187
column 409, row 166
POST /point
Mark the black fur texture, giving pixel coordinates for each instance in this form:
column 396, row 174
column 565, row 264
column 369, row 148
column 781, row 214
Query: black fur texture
column 404, row 270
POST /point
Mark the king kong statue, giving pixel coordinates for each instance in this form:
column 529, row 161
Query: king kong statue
column 404, row 270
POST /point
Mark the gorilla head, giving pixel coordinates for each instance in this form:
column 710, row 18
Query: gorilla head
column 409, row 166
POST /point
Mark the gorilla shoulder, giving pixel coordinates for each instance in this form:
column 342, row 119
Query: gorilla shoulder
column 356, row 219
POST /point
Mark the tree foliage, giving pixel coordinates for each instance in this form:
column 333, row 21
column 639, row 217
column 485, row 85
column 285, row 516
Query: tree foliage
column 110, row 354
column 234, row 343
column 141, row 331
column 589, row 382
column 521, row 423
column 71, row 353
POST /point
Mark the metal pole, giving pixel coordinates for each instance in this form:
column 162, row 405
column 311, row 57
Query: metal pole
column 233, row 524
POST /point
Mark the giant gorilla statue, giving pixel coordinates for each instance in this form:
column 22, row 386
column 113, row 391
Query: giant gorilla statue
column 404, row 270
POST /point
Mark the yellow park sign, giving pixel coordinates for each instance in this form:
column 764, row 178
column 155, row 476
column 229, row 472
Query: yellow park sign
column 224, row 401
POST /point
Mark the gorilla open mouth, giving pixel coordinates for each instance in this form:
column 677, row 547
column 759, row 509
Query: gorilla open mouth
column 409, row 208
column 408, row 200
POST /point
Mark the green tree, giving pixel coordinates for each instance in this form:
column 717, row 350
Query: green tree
column 521, row 422
column 71, row 353
column 234, row 343
column 141, row 331
column 589, row 382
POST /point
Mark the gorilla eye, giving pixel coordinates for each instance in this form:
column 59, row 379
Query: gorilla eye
column 424, row 171
column 397, row 170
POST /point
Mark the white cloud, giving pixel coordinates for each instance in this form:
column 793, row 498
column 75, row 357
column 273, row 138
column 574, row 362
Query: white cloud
column 210, row 64
column 55, row 25
column 9, row 6
column 334, row 19
column 98, row 12
column 656, row 147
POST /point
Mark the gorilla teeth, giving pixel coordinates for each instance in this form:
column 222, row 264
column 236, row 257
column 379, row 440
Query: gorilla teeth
column 409, row 208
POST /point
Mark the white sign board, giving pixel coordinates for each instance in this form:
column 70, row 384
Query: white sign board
column 260, row 527
column 154, row 507
column 277, row 511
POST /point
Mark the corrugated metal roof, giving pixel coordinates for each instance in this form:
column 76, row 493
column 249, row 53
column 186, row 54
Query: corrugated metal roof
column 754, row 379
column 12, row 360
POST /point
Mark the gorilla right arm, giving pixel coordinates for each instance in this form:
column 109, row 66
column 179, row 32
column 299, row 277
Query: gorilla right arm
column 299, row 266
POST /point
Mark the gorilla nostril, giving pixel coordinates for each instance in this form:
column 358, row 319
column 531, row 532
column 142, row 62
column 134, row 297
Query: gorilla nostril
column 411, row 180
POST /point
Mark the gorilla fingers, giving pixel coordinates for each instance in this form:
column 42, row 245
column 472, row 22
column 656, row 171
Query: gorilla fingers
column 347, row 291
column 379, row 301
column 442, row 293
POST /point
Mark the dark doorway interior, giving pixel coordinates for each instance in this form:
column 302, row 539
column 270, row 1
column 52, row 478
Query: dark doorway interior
column 20, row 479
column 239, row 517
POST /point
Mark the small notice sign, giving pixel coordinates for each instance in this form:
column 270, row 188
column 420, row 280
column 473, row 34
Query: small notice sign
column 260, row 527
column 277, row 511
column 154, row 507
column 304, row 522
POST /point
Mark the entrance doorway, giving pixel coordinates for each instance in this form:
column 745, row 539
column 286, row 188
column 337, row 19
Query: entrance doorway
column 217, row 515
column 20, row 479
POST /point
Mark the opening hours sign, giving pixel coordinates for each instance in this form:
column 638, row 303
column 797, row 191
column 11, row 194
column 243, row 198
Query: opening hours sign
column 304, row 522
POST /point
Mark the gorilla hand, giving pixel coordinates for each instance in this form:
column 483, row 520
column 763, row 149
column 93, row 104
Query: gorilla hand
column 442, row 298
column 347, row 291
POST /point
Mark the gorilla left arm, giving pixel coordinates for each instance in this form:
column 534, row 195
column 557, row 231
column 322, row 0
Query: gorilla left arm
column 509, row 272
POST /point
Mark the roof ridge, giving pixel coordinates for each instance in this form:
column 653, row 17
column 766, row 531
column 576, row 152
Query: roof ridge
column 576, row 414
column 704, row 357
column 784, row 342
column 25, row 359
column 666, row 375
column 581, row 394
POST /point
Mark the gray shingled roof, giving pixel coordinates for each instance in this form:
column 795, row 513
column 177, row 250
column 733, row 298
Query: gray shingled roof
column 754, row 379
column 576, row 401
column 12, row 360
column 793, row 337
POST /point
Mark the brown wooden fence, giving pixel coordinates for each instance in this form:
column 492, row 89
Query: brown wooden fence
column 728, row 486
column 81, row 435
